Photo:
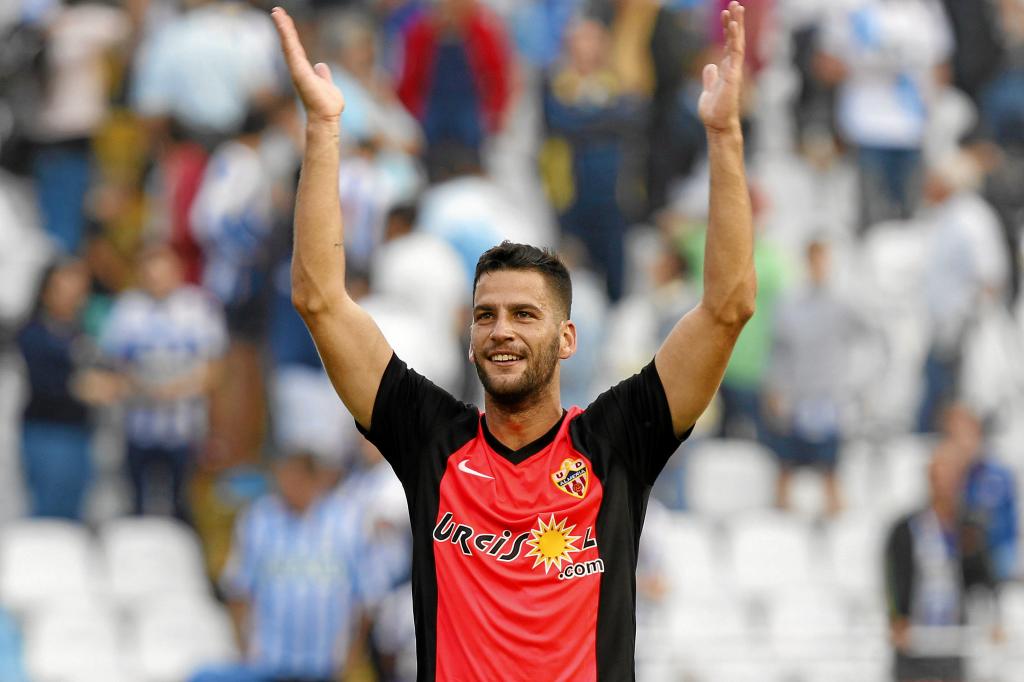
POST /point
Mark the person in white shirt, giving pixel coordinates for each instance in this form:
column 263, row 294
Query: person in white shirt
column 74, row 103
column 888, row 58
column 205, row 69
column 165, row 339
column 967, row 266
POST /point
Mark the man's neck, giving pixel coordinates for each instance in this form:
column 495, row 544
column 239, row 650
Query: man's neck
column 946, row 514
column 519, row 425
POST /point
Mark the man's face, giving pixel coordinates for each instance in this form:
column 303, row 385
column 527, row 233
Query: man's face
column 945, row 474
column 160, row 272
column 518, row 336
column 299, row 482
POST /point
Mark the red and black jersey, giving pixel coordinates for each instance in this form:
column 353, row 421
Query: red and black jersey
column 524, row 561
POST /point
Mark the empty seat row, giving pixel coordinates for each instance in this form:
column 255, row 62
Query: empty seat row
column 43, row 560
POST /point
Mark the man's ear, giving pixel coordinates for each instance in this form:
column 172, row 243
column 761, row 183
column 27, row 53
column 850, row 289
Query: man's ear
column 471, row 354
column 567, row 340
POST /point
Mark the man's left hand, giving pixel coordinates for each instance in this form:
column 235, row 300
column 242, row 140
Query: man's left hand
column 719, row 103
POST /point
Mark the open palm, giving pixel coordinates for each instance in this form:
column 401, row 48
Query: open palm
column 322, row 99
column 719, row 103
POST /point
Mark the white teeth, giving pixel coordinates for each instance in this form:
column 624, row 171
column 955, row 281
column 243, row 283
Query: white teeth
column 504, row 357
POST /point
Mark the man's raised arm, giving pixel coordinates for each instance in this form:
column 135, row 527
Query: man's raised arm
column 692, row 360
column 352, row 348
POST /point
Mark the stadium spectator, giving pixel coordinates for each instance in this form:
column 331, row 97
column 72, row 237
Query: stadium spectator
column 394, row 635
column 381, row 523
column 740, row 395
column 814, row 106
column 456, row 75
column 422, row 271
column 990, row 489
column 233, row 219
column 978, row 50
column 888, row 59
column 933, row 557
column 539, row 28
column 589, row 117
column 202, row 71
column 292, row 579
column 1002, row 104
column 56, row 427
column 966, row 268
column 373, row 112
column 74, row 104
column 635, row 326
column 380, row 138
column 165, row 339
column 368, row 191
column 649, row 49
column 392, row 19
column 470, row 210
column 806, row 385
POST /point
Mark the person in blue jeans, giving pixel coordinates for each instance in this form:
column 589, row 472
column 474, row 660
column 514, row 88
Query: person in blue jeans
column 589, row 119
column 165, row 340
column 56, row 429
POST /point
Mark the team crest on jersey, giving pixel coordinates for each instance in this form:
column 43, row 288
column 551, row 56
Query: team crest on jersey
column 572, row 477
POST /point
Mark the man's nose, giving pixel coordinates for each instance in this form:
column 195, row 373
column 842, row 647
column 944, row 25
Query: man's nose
column 502, row 328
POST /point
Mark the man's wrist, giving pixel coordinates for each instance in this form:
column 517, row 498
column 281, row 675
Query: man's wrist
column 319, row 125
column 730, row 131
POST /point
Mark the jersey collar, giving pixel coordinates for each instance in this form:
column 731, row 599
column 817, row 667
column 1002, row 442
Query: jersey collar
column 522, row 454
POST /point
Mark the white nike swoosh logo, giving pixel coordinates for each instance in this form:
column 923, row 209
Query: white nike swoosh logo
column 464, row 467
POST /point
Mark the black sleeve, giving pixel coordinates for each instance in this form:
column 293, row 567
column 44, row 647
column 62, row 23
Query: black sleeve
column 976, row 559
column 634, row 419
column 899, row 569
column 408, row 413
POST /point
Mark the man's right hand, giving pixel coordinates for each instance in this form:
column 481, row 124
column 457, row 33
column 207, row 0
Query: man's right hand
column 322, row 99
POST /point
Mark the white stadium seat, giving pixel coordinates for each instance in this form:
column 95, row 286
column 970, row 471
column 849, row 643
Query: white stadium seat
column 770, row 552
column 72, row 643
column 46, row 560
column 905, row 463
column 174, row 637
column 859, row 475
column 149, row 556
column 855, row 544
column 708, row 632
column 726, row 477
column 808, row 626
column 1011, row 609
column 693, row 564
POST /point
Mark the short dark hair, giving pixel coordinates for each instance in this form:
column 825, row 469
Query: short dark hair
column 512, row 256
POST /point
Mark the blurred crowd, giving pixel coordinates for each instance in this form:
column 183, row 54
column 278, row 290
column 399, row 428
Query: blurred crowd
column 153, row 364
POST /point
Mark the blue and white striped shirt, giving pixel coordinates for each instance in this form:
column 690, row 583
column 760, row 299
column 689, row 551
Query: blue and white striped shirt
column 300, row 575
column 158, row 341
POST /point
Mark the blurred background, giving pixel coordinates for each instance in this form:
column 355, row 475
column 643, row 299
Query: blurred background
column 183, row 497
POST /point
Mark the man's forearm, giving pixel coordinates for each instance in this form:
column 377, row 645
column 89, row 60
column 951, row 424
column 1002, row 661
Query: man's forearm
column 318, row 262
column 729, row 278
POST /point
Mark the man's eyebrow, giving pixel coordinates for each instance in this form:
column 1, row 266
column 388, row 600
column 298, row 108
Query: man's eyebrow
column 510, row 306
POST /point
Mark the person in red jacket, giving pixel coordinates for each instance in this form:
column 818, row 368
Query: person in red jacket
column 455, row 75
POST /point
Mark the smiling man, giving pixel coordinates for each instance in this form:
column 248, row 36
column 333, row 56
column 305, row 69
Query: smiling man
column 526, row 518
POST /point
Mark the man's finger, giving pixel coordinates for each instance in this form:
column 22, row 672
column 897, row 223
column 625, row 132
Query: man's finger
column 323, row 71
column 294, row 54
column 739, row 15
column 735, row 35
column 709, row 76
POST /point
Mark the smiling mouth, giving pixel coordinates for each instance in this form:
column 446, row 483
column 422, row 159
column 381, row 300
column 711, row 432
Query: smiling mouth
column 505, row 359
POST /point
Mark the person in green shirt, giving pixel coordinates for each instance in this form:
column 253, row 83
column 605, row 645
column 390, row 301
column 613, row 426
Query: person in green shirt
column 740, row 392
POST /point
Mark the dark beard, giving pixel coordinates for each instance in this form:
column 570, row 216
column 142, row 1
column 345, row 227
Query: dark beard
column 536, row 377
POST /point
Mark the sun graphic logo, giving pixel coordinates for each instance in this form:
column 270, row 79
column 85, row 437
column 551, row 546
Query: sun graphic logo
column 552, row 543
